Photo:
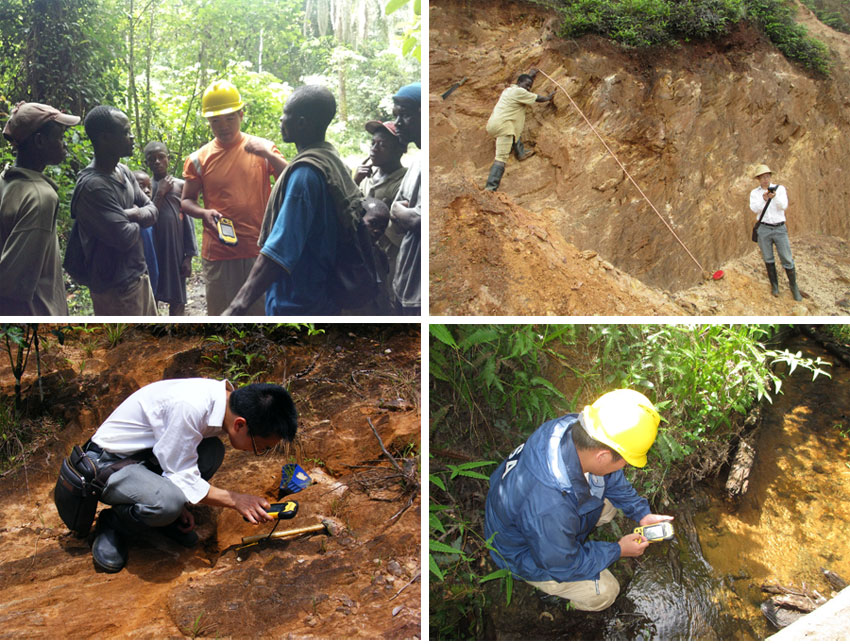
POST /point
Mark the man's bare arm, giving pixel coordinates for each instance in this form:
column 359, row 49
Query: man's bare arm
column 190, row 206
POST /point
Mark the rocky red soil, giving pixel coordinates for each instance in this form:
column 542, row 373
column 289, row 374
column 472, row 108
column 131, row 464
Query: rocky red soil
column 362, row 583
column 568, row 234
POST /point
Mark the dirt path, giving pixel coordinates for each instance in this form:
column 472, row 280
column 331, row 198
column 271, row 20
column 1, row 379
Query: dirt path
column 362, row 583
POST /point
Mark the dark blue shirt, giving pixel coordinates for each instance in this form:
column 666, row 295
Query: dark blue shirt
column 303, row 241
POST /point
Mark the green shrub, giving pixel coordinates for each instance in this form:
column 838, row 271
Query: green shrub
column 648, row 23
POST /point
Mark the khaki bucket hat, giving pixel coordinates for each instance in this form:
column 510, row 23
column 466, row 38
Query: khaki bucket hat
column 760, row 170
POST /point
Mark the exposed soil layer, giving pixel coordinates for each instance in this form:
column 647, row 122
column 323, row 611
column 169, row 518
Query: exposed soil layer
column 568, row 233
column 362, row 583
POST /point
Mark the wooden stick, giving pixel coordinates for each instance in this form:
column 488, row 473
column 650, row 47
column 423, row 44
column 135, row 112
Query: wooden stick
column 384, row 449
column 281, row 534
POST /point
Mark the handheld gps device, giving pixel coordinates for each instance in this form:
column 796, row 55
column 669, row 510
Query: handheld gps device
column 656, row 531
column 280, row 511
column 226, row 231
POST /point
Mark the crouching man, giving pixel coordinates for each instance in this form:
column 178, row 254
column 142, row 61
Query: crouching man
column 567, row 478
column 171, row 429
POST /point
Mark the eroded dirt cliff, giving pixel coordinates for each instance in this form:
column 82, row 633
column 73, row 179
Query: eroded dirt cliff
column 362, row 583
column 568, row 233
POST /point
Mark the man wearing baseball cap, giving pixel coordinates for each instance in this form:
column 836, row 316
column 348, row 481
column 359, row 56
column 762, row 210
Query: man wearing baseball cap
column 31, row 281
column 379, row 177
column 406, row 211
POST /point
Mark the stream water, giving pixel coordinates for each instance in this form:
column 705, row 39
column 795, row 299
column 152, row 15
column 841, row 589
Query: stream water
column 706, row 584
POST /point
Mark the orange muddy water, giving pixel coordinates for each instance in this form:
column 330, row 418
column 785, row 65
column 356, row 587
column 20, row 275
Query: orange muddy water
column 794, row 519
column 363, row 583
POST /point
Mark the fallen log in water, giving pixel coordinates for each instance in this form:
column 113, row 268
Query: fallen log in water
column 742, row 465
column 834, row 580
column 789, row 603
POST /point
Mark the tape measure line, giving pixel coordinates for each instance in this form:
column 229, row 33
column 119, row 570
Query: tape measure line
column 623, row 168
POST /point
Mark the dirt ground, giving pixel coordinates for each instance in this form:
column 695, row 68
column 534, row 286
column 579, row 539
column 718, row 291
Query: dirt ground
column 363, row 583
column 568, row 234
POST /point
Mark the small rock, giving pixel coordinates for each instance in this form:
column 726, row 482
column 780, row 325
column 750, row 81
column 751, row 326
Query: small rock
column 397, row 610
column 394, row 568
column 388, row 351
column 311, row 621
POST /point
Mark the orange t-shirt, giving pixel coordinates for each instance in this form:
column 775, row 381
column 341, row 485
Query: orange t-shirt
column 236, row 183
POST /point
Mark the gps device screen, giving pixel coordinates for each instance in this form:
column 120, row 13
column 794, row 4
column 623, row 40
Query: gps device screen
column 226, row 231
column 654, row 532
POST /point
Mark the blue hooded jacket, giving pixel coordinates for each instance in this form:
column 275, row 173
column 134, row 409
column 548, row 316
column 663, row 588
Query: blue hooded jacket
column 542, row 509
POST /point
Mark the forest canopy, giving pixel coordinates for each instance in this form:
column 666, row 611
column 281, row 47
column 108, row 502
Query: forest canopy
column 154, row 58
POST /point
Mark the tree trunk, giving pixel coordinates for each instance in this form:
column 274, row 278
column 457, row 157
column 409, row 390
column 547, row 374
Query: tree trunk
column 132, row 94
column 260, row 54
column 343, row 103
column 148, row 57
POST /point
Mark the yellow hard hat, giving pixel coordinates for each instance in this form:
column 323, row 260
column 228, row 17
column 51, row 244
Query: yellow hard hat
column 221, row 97
column 626, row 421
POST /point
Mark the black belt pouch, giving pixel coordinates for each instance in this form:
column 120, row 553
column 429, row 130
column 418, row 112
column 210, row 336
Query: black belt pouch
column 75, row 495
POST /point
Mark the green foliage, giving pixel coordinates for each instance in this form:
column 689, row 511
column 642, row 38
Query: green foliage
column 60, row 52
column 241, row 352
column 832, row 13
column 649, row 23
column 114, row 333
column 491, row 375
column 776, row 19
column 19, row 340
column 411, row 45
column 701, row 378
column 455, row 546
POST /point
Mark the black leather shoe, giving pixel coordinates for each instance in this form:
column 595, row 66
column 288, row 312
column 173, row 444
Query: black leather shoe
column 109, row 550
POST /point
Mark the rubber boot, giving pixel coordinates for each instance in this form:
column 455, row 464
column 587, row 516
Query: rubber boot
column 522, row 152
column 774, row 280
column 495, row 178
column 109, row 549
column 792, row 281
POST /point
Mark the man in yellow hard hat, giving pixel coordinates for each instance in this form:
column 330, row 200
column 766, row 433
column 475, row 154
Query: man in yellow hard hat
column 233, row 173
column 546, row 498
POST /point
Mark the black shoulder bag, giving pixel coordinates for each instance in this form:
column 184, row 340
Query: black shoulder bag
column 764, row 210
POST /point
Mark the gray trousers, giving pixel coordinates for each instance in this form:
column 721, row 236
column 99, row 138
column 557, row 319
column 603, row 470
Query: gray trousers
column 778, row 236
column 158, row 502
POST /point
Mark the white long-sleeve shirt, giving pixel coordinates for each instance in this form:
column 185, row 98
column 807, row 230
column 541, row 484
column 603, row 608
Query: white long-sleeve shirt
column 172, row 417
column 775, row 211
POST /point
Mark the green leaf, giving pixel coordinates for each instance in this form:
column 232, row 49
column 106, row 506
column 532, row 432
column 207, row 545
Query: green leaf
column 437, row 481
column 499, row 574
column 394, row 5
column 469, row 466
column 442, row 333
column 434, row 568
column 436, row 546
